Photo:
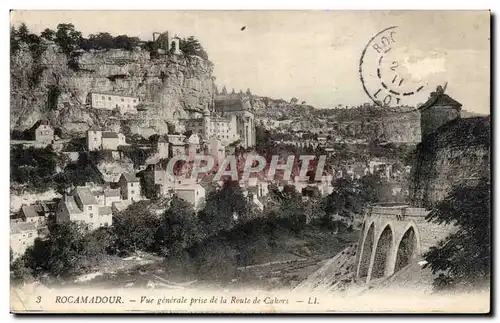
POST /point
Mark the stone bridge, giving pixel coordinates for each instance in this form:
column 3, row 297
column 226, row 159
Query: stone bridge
column 394, row 235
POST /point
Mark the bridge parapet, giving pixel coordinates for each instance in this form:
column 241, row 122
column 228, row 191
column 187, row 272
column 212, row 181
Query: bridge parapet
column 394, row 235
column 397, row 211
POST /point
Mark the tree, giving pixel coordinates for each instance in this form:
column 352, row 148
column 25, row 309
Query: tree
column 248, row 92
column 370, row 186
column 33, row 168
column 48, row 34
column 224, row 207
column 68, row 38
column 180, row 228
column 343, row 204
column 66, row 251
column 23, row 32
column 224, row 90
column 20, row 271
column 292, row 209
column 14, row 40
column 463, row 258
column 135, row 229
column 191, row 46
column 294, row 101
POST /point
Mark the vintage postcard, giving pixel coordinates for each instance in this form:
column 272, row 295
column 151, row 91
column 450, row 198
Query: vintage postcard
column 250, row 162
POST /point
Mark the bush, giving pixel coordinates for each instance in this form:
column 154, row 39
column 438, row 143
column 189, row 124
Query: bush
column 33, row 168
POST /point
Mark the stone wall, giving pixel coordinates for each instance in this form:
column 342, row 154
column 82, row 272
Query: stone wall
column 458, row 154
column 393, row 236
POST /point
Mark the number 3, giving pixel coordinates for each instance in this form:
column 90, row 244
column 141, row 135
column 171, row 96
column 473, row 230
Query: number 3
column 39, row 299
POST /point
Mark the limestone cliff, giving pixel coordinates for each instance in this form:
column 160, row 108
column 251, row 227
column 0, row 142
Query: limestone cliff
column 44, row 86
column 458, row 153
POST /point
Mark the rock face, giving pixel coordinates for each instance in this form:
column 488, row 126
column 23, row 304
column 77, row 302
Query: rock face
column 458, row 153
column 169, row 87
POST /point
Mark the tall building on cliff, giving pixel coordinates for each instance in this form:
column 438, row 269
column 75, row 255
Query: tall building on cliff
column 453, row 151
column 237, row 108
column 231, row 120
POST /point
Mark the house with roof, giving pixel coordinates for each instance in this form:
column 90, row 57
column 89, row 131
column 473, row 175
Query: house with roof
column 177, row 145
column 111, row 196
column 236, row 108
column 105, row 140
column 22, row 236
column 120, row 206
column 162, row 147
column 82, row 207
column 33, row 214
column 130, row 187
column 44, row 133
column 193, row 144
column 110, row 101
column 192, row 193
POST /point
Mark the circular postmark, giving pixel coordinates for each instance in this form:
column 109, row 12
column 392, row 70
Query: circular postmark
column 392, row 75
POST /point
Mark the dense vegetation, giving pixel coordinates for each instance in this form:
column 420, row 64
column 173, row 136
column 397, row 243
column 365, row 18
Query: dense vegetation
column 463, row 259
column 228, row 232
column 33, row 169
column 70, row 40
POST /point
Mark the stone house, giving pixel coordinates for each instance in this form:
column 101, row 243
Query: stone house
column 130, row 187
column 22, row 236
column 81, row 206
column 44, row 134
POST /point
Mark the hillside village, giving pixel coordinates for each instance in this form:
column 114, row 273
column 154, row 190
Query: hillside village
column 96, row 157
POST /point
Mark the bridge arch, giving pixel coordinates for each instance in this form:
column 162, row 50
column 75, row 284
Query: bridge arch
column 366, row 251
column 407, row 248
column 382, row 255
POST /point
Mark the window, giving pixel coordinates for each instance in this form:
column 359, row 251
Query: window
column 122, row 100
column 131, row 184
column 132, row 192
column 109, row 98
column 91, row 215
column 134, row 100
column 103, row 97
column 30, row 235
column 90, row 207
column 105, row 224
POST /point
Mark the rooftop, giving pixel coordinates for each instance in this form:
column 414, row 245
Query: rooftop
column 231, row 103
column 130, row 177
column 116, row 94
column 104, row 210
column 122, row 205
column 71, row 204
column 188, row 187
column 112, row 192
column 438, row 99
column 86, row 196
column 33, row 211
column 109, row 134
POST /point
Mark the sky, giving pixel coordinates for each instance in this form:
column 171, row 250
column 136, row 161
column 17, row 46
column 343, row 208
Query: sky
column 311, row 55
